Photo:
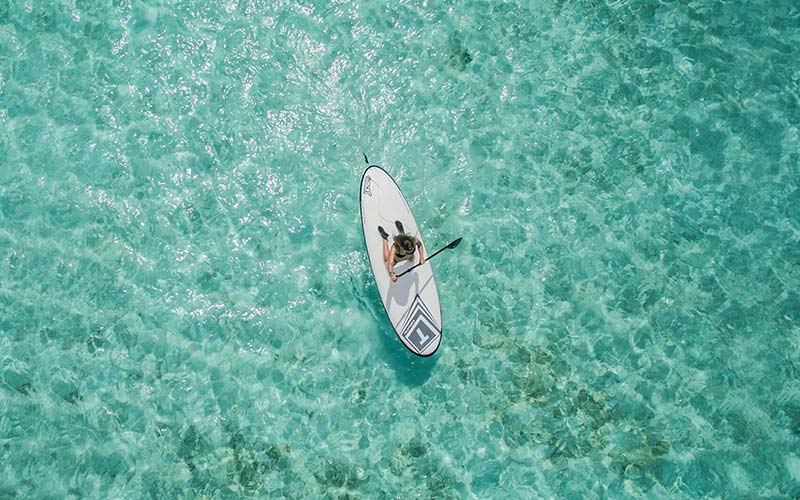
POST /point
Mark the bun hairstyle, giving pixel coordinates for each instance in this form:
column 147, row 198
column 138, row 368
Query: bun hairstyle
column 405, row 242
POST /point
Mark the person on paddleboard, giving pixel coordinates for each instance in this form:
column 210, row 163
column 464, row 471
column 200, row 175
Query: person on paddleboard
column 403, row 248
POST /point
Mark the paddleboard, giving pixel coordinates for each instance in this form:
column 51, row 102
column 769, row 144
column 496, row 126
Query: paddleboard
column 411, row 303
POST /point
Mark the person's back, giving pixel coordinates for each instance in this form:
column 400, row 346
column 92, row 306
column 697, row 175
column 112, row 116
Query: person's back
column 403, row 248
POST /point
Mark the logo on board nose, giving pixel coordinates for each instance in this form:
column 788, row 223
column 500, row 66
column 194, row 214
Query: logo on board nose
column 419, row 328
column 368, row 186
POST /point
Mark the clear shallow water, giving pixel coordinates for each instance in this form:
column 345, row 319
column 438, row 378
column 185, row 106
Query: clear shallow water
column 186, row 310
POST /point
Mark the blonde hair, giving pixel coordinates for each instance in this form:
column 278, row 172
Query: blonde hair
column 405, row 242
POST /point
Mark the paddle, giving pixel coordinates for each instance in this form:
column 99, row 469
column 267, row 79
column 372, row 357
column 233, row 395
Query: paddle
column 449, row 246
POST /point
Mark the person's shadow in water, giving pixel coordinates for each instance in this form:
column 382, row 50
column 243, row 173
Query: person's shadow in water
column 411, row 369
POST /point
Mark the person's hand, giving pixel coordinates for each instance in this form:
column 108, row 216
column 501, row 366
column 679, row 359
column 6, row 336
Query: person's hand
column 421, row 261
column 393, row 276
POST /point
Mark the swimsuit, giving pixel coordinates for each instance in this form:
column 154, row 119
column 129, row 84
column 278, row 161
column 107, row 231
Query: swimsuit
column 398, row 255
column 402, row 255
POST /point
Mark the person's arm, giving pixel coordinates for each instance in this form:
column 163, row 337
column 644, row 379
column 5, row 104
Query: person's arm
column 421, row 252
column 392, row 275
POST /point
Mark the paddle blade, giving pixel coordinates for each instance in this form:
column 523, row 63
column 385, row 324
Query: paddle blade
column 454, row 244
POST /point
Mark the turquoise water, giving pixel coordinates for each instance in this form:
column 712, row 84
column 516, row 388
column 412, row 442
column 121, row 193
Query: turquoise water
column 186, row 309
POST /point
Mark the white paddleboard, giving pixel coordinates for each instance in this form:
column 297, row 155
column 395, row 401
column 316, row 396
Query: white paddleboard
column 411, row 303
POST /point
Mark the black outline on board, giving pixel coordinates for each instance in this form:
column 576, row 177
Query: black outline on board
column 364, row 236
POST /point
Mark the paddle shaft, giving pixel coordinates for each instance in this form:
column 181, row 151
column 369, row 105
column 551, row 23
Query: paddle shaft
column 452, row 244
